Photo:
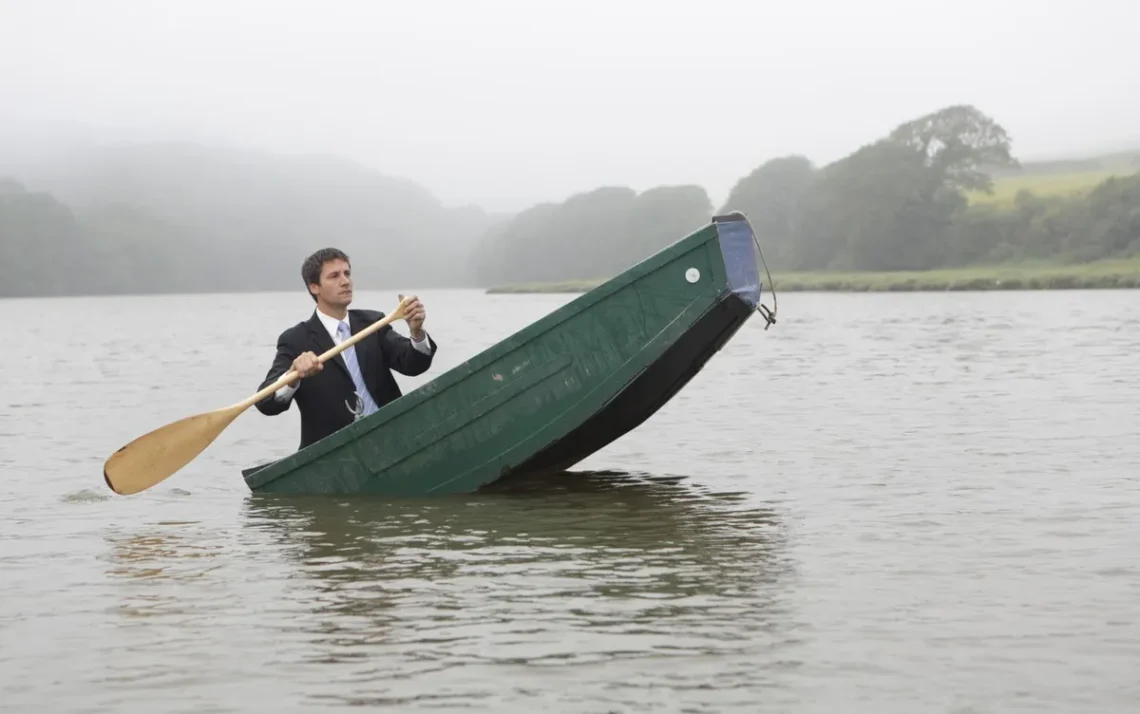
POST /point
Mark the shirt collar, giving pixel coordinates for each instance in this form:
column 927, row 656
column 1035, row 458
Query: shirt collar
column 331, row 323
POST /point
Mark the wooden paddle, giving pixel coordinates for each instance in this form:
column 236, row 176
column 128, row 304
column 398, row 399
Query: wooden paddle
column 153, row 457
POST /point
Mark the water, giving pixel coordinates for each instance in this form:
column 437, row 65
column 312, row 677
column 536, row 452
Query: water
column 885, row 503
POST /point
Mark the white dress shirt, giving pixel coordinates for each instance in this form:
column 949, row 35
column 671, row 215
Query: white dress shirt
column 286, row 393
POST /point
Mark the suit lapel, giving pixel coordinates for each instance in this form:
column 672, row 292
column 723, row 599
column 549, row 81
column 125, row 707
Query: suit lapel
column 323, row 343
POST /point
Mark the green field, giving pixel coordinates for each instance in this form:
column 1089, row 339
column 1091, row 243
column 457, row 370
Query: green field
column 1098, row 275
column 1045, row 185
column 1045, row 179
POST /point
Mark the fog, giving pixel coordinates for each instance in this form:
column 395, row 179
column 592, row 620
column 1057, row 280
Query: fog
column 505, row 103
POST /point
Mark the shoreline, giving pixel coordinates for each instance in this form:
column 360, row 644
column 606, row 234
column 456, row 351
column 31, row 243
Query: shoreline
column 1114, row 274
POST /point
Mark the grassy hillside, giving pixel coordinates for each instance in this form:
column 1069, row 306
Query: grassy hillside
column 1061, row 184
column 1063, row 178
column 1073, row 183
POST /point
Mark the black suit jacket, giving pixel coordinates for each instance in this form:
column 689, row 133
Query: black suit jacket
column 321, row 397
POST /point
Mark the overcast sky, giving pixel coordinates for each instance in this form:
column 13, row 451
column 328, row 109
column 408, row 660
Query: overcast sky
column 510, row 102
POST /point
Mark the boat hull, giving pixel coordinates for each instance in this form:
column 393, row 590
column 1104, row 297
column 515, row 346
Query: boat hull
column 553, row 393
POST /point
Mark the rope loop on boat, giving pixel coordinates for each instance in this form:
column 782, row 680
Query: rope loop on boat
column 768, row 315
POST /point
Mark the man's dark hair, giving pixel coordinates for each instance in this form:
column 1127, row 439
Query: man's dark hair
column 311, row 268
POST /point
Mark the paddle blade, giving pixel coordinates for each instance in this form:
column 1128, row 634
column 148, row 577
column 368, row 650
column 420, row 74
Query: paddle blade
column 153, row 457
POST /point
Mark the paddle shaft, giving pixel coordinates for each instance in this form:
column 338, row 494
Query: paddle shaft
column 291, row 376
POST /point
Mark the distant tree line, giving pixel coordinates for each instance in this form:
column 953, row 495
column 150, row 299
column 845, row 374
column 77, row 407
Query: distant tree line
column 899, row 203
column 591, row 235
column 164, row 218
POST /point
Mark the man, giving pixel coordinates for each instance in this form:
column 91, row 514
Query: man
column 358, row 381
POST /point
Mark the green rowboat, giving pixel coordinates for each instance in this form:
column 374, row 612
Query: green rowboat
column 556, row 391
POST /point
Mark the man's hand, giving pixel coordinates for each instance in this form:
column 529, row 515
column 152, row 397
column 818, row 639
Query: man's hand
column 307, row 365
column 415, row 314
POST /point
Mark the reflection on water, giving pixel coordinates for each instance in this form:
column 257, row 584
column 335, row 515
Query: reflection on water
column 163, row 552
column 578, row 569
column 161, row 570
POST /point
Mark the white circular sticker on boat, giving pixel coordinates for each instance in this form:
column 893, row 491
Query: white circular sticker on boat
column 692, row 275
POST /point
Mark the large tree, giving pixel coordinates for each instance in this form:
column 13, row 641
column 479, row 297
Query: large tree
column 960, row 147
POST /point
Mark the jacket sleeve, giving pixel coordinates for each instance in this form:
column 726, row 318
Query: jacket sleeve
column 402, row 356
column 282, row 363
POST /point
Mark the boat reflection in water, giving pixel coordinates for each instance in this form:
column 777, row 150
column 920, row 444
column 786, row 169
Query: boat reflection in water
column 579, row 568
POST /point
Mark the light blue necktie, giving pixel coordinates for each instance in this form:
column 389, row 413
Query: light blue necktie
column 354, row 370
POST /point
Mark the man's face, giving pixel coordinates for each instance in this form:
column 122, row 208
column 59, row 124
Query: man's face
column 336, row 284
